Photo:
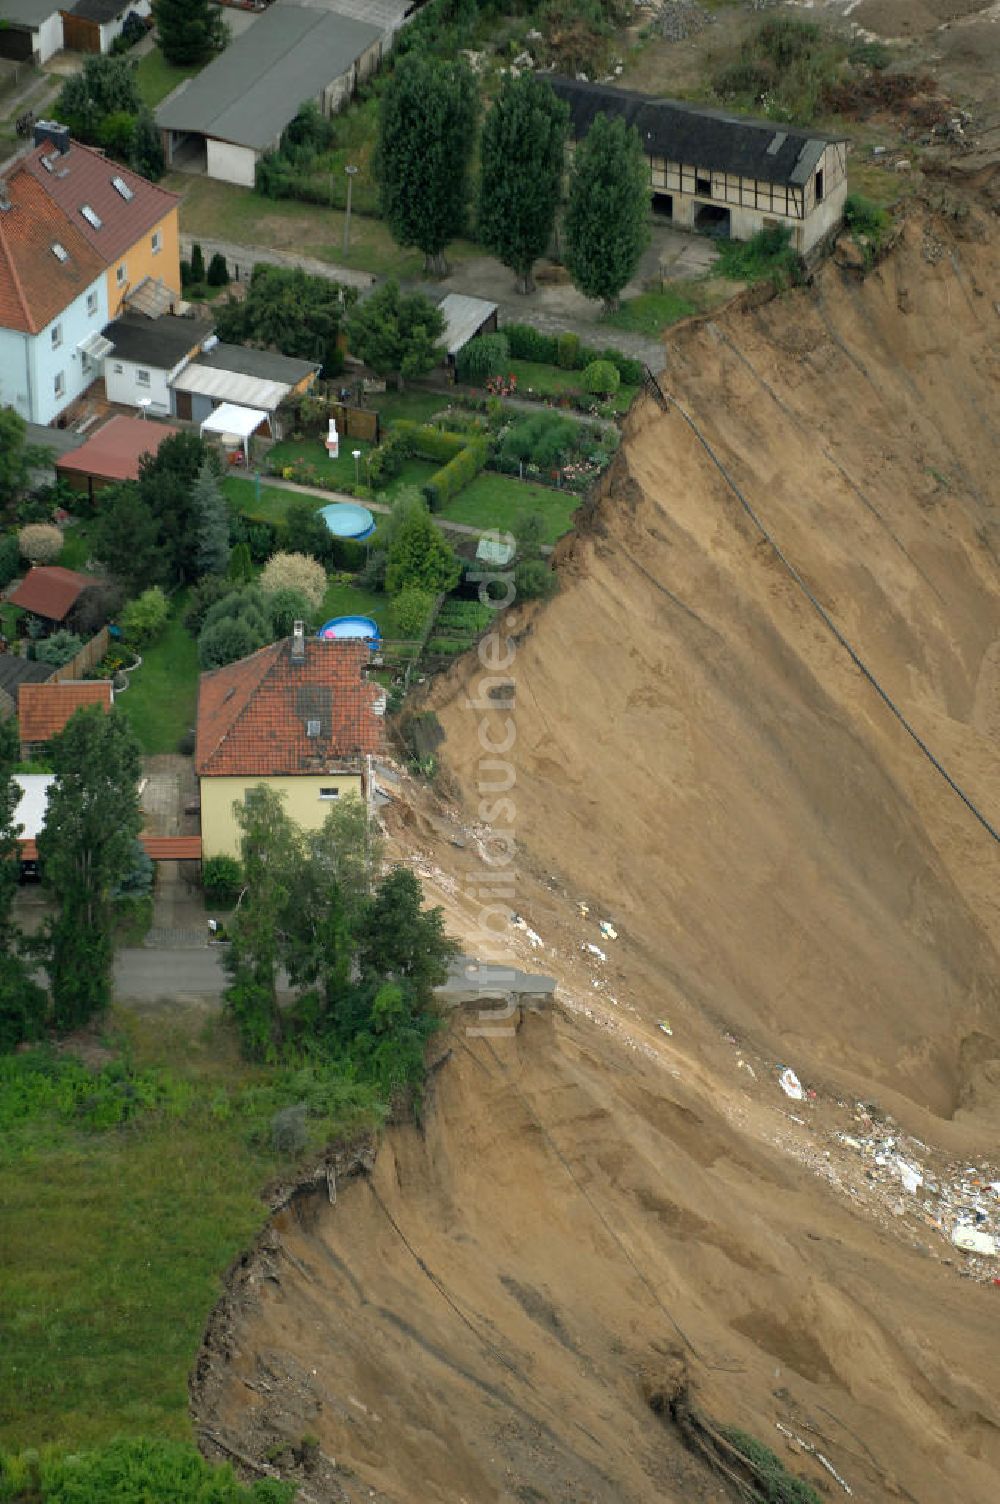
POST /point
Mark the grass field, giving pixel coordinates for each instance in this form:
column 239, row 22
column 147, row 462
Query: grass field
column 114, row 1239
column 156, row 77
column 652, row 311
column 500, row 501
column 162, row 694
column 539, row 380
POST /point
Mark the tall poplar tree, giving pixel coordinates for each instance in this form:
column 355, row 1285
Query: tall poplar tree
column 606, row 224
column 87, row 848
column 522, row 159
column 426, row 133
column 22, row 1002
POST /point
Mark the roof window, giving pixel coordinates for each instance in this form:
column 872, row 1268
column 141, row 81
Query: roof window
column 312, row 728
column 120, row 186
column 59, row 251
column 91, row 216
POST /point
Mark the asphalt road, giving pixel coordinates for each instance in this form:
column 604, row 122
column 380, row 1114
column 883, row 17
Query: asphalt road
column 145, row 973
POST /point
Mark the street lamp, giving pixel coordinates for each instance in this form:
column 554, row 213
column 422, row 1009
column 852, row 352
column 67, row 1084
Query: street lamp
column 357, row 467
column 351, row 174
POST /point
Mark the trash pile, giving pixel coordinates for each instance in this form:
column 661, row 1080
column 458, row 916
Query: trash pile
column 680, row 19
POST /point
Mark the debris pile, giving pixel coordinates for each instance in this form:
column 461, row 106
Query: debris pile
column 680, row 19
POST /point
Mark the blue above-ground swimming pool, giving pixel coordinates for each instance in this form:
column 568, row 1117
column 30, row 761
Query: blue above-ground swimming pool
column 340, row 627
column 346, row 520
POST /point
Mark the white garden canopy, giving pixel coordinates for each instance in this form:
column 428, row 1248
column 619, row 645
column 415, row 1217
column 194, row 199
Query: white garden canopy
column 235, row 424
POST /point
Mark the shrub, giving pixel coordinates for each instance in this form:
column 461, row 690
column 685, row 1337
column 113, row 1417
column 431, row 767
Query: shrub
column 58, row 649
column 527, row 343
column 456, row 475
column 289, row 1133
column 298, row 572
column 40, row 542
column 534, row 580
column 286, row 607
column 767, row 256
column 568, row 351
column 601, row 378
column 197, row 263
column 428, row 442
column 10, row 558
column 631, row 371
column 218, row 272
column 221, row 879
column 484, row 356
column 867, row 223
column 412, row 609
column 145, row 618
column 201, row 598
column 224, row 641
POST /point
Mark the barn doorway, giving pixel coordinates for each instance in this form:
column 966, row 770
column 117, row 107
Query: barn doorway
column 712, row 219
column 663, row 205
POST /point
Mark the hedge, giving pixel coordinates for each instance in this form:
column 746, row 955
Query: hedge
column 428, row 442
column 456, row 475
column 527, row 343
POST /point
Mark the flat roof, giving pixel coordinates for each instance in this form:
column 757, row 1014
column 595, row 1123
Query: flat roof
column 250, row 92
column 60, row 440
column 155, row 342
column 28, row 12
column 30, row 811
column 114, row 451
column 269, row 365
column 463, row 319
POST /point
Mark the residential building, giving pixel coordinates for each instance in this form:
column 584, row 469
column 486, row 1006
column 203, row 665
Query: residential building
column 53, row 303
column 223, row 120
column 31, row 31
column 44, row 709
column 722, row 173
column 299, row 716
column 112, row 453
column 128, row 221
column 147, row 355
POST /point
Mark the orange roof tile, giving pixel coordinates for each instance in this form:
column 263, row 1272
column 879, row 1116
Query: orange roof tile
column 44, row 709
column 114, row 451
column 255, row 716
column 49, row 590
column 36, row 284
column 83, row 175
column 157, row 848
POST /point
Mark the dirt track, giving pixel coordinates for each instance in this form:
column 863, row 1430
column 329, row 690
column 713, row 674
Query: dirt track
column 592, row 1208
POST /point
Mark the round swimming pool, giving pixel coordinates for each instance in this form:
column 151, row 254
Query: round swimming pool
column 340, row 627
column 346, row 520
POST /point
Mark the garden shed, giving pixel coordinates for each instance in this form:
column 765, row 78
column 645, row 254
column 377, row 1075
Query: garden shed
column 465, row 318
column 241, row 376
column 112, row 454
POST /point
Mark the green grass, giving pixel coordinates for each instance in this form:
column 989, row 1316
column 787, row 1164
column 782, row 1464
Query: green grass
column 114, row 1239
column 156, row 77
column 501, row 501
column 76, row 546
column 341, row 472
column 415, row 407
column 652, row 311
column 535, row 379
column 162, row 694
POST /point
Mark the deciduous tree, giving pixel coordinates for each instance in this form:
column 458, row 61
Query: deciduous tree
column 607, row 214
column 295, row 572
column 289, row 311
column 522, row 159
column 86, row 850
column 16, row 455
column 426, row 134
column 396, row 333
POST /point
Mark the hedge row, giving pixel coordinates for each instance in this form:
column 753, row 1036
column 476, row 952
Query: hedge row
column 428, row 442
column 456, row 475
column 568, row 352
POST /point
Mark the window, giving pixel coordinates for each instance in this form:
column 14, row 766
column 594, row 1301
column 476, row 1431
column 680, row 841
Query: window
column 120, row 274
column 120, row 186
column 157, row 242
column 329, row 793
column 91, row 303
column 59, row 251
column 819, row 186
column 703, row 186
column 91, row 216
column 141, row 378
column 56, row 336
column 312, row 728
column 59, row 386
column 119, row 368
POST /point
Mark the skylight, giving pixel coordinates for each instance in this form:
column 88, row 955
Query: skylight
column 120, row 186
column 91, row 216
column 59, row 251
column 49, row 161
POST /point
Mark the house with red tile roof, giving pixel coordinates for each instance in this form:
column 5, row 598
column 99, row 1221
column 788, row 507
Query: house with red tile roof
column 50, row 591
column 53, row 303
column 299, row 716
column 44, row 709
column 128, row 221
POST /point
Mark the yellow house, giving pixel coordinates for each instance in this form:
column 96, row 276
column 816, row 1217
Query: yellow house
column 298, row 716
column 130, row 222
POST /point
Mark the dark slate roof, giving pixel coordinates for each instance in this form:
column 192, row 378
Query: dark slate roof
column 699, row 137
column 266, row 365
column 99, row 10
column 160, row 343
column 15, row 671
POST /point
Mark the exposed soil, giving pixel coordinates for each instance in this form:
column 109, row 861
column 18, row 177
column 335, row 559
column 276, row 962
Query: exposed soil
column 616, row 1192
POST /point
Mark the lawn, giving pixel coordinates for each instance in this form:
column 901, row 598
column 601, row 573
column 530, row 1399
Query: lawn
column 536, row 379
column 415, row 407
column 652, row 311
column 76, row 547
column 500, row 501
column 156, row 78
column 162, row 694
column 341, row 471
column 137, row 1224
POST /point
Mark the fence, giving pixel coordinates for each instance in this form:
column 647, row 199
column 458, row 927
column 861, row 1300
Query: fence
column 92, row 652
column 356, row 422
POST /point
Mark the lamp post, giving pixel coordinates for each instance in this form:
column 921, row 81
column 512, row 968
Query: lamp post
column 351, row 174
column 357, row 467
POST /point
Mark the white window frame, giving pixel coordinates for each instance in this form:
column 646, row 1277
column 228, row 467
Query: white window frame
column 329, row 794
column 142, row 378
column 59, row 384
column 56, row 336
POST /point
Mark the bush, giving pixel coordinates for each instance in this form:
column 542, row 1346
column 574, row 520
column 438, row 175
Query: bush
column 221, row 879
column 568, row 351
column 197, row 263
column 10, row 558
column 456, row 475
column 58, row 649
column 286, row 607
column 601, row 378
column 534, row 580
column 289, row 1134
column 298, row 572
column 428, row 442
column 767, row 256
column 210, row 589
column 486, row 355
column 631, row 371
column 867, row 223
column 145, row 618
column 528, row 343
column 412, row 609
column 40, row 542
column 218, row 272
column 225, row 641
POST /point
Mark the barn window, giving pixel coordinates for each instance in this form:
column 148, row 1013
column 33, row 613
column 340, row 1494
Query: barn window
column 703, row 186
column 819, row 186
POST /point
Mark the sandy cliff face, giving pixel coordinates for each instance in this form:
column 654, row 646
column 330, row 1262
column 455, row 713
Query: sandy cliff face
column 595, row 1210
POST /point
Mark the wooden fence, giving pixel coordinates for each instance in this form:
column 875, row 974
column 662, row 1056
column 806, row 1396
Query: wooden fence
column 92, row 652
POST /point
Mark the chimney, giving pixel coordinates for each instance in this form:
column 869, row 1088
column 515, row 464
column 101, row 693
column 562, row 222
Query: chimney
column 55, row 134
column 298, row 642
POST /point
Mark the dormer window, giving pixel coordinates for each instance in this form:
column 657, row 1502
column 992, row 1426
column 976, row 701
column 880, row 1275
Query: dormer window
column 91, row 216
column 59, row 251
